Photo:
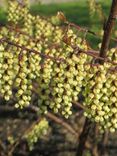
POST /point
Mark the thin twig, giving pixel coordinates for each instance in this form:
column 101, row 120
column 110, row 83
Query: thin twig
column 30, row 50
column 7, row 110
column 61, row 122
column 79, row 28
column 12, row 148
column 77, row 49
column 79, row 105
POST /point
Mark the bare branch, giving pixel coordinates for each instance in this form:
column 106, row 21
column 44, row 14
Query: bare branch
column 61, row 122
column 108, row 29
column 83, row 137
column 11, row 112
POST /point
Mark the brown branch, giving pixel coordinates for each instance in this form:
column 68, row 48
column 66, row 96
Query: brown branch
column 105, row 138
column 104, row 143
column 95, row 141
column 11, row 112
column 83, row 137
column 61, row 122
column 105, row 44
column 20, row 138
column 30, row 50
column 79, row 105
column 79, row 28
column 7, row 111
column 92, row 53
column 108, row 29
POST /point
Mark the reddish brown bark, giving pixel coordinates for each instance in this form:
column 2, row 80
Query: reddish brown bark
column 103, row 52
column 108, row 29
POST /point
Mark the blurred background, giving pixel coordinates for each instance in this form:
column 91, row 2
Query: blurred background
column 76, row 11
